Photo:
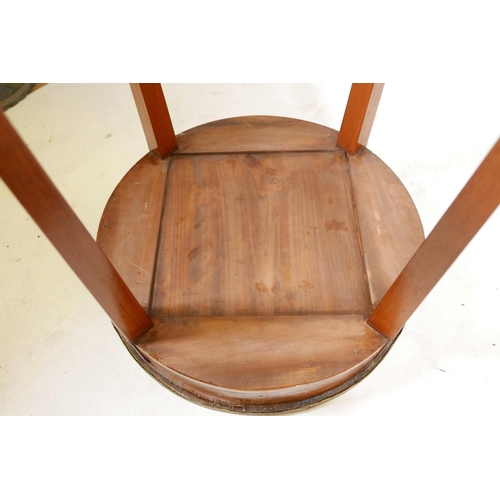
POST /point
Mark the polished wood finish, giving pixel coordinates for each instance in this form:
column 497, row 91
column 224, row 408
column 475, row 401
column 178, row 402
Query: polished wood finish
column 475, row 203
column 255, row 134
column 359, row 116
column 263, row 259
column 41, row 199
column 155, row 118
column 129, row 228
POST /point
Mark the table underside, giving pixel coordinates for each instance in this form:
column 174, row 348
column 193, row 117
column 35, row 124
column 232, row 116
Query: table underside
column 259, row 249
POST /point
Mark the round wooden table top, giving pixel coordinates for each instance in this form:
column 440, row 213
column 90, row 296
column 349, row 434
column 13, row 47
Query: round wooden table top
column 259, row 249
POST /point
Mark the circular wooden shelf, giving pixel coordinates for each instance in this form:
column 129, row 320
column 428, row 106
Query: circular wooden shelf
column 259, row 249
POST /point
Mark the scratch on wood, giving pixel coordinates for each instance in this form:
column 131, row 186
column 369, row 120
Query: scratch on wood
column 139, row 268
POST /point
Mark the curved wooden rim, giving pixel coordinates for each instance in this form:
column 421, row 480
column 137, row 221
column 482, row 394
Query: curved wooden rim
column 261, row 409
column 256, row 133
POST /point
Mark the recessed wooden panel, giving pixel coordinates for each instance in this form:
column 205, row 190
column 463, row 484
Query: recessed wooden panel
column 256, row 134
column 129, row 227
column 259, row 234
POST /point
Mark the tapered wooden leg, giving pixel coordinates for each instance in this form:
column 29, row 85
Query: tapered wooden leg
column 155, row 118
column 359, row 116
column 476, row 202
column 36, row 192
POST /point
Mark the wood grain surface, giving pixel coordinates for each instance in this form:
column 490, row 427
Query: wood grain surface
column 130, row 225
column 41, row 199
column 472, row 207
column 247, row 360
column 254, row 134
column 259, row 234
column 390, row 227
